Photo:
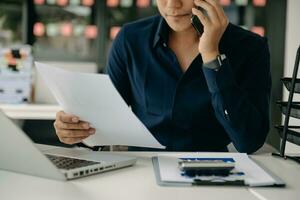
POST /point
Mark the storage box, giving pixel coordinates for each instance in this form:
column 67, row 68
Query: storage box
column 16, row 74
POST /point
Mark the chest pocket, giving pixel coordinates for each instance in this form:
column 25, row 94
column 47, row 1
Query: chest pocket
column 155, row 92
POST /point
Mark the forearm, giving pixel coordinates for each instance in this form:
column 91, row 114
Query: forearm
column 244, row 113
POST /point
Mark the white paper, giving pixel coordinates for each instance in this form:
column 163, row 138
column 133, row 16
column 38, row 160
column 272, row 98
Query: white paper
column 254, row 174
column 93, row 98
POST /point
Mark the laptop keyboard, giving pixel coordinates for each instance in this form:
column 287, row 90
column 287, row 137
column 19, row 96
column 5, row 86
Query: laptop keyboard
column 69, row 163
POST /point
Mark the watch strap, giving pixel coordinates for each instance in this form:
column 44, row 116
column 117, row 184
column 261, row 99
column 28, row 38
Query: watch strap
column 216, row 63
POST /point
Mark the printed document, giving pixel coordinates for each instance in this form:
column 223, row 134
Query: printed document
column 93, row 98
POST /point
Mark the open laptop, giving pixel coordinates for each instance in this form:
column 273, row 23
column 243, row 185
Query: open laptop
column 19, row 154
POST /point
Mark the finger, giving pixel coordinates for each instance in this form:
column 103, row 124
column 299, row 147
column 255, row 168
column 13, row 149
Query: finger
column 63, row 133
column 212, row 13
column 72, row 140
column 67, row 118
column 220, row 11
column 203, row 19
column 79, row 126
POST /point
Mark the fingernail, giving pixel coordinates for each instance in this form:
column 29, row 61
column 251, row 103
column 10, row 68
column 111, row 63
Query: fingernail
column 86, row 126
column 92, row 131
column 74, row 119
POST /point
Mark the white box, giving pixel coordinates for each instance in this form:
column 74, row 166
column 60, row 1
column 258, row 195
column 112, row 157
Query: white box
column 15, row 74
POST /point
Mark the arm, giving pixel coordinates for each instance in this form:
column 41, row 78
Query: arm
column 117, row 66
column 243, row 108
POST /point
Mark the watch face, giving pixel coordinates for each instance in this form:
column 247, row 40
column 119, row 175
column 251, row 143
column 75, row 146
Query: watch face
column 223, row 57
column 219, row 59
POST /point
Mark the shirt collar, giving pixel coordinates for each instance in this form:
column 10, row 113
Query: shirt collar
column 163, row 29
column 162, row 33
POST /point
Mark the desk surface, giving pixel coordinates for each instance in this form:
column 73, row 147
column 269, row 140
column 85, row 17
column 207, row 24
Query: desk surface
column 138, row 182
column 30, row 111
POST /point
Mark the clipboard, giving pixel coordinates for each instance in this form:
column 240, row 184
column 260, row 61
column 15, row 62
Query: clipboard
column 278, row 182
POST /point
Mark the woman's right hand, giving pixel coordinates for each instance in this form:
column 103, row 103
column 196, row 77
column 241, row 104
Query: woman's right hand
column 70, row 130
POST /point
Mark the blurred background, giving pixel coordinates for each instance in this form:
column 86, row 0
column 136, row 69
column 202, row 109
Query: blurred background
column 77, row 35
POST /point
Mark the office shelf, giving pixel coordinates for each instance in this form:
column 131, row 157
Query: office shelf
column 293, row 133
column 288, row 83
column 295, row 108
column 290, row 109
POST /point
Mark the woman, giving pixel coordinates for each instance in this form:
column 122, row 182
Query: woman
column 193, row 92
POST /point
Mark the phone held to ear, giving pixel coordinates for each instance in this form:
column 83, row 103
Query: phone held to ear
column 197, row 23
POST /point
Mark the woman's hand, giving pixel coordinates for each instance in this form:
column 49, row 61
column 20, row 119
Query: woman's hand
column 70, row 130
column 215, row 24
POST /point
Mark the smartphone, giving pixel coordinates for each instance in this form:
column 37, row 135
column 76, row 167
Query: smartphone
column 197, row 23
column 209, row 167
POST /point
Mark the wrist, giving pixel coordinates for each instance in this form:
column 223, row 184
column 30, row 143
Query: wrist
column 216, row 63
column 209, row 56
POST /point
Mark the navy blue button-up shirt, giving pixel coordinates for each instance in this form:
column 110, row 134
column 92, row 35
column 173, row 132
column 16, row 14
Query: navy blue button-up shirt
column 200, row 109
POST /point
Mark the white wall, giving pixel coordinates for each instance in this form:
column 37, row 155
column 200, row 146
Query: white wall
column 292, row 35
column 292, row 43
column 43, row 94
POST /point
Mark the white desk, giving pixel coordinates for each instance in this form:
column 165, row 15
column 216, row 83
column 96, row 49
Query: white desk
column 30, row 111
column 138, row 182
column 287, row 170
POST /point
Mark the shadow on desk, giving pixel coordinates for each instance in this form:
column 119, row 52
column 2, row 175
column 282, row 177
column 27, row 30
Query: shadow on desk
column 42, row 132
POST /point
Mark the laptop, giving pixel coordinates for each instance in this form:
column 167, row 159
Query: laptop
column 19, row 154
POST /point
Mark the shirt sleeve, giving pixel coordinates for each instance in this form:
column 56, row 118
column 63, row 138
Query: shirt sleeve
column 117, row 64
column 241, row 98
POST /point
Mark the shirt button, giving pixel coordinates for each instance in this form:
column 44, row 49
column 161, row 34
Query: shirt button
column 226, row 114
column 225, row 111
column 164, row 44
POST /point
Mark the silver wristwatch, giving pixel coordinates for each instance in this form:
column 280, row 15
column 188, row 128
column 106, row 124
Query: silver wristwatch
column 216, row 63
